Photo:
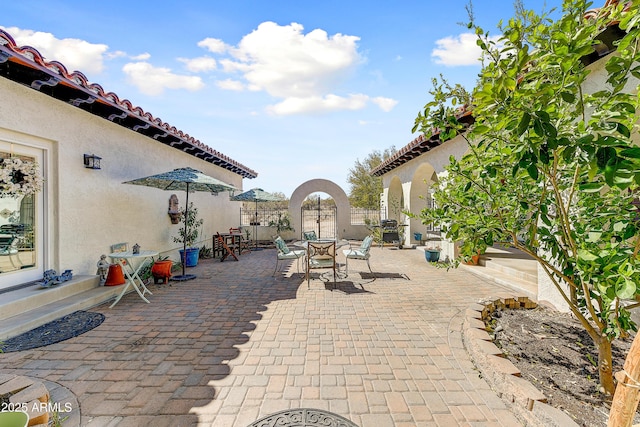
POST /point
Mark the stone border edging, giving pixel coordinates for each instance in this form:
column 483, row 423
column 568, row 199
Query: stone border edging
column 527, row 402
column 39, row 397
column 26, row 395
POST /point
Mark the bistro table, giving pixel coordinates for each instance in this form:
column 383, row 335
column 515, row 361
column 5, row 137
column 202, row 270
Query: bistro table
column 339, row 243
column 305, row 243
column 131, row 265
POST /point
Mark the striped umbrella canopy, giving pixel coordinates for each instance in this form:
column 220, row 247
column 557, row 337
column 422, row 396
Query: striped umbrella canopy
column 256, row 195
column 184, row 179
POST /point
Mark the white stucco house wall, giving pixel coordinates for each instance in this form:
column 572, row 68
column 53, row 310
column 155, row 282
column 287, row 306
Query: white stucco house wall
column 408, row 174
column 55, row 118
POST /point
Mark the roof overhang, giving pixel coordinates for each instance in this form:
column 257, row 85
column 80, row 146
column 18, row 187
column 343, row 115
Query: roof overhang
column 606, row 44
column 417, row 147
column 26, row 66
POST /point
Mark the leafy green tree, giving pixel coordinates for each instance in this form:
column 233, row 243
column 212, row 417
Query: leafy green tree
column 365, row 189
column 552, row 167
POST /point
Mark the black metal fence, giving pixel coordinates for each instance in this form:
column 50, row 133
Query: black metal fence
column 359, row 216
column 323, row 221
column 263, row 216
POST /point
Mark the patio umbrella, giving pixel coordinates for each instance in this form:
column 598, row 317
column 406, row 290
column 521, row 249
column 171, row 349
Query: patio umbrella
column 184, row 179
column 256, row 195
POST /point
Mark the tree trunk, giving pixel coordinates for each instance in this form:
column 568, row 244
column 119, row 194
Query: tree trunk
column 625, row 401
column 605, row 365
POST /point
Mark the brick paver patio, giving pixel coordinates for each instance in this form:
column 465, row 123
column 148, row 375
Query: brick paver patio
column 237, row 344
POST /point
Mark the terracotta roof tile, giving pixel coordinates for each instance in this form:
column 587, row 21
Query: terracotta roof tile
column 26, row 65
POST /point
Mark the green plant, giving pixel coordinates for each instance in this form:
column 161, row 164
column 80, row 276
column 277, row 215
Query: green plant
column 364, row 188
column 552, row 167
column 190, row 226
column 283, row 223
column 374, row 229
column 205, row 252
column 145, row 270
column 176, row 266
column 56, row 420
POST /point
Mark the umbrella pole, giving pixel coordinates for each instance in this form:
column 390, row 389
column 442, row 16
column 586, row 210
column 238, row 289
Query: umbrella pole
column 255, row 227
column 186, row 218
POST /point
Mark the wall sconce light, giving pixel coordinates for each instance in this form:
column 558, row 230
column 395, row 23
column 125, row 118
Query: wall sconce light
column 91, row 161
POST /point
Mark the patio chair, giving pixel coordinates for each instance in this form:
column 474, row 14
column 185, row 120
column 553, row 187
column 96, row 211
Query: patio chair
column 309, row 235
column 228, row 249
column 359, row 253
column 218, row 249
column 321, row 255
column 243, row 243
column 286, row 254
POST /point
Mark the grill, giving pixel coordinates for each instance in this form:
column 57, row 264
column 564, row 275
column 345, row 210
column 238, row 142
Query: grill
column 389, row 229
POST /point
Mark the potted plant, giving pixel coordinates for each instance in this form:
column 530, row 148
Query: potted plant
column 188, row 235
column 161, row 270
column 432, row 253
column 476, row 244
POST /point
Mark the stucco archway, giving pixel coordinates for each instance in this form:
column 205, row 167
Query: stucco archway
column 343, row 219
column 420, row 198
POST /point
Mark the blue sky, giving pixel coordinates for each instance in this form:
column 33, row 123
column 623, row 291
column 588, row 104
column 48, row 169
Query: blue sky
column 295, row 90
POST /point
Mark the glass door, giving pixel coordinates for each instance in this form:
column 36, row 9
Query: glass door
column 21, row 214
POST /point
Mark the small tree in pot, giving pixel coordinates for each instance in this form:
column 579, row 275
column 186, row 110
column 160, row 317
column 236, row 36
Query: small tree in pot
column 188, row 233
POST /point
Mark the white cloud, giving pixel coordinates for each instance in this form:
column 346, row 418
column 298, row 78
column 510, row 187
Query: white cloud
column 230, row 84
column 284, row 62
column 142, row 57
column 460, row 50
column 74, row 54
column 385, row 104
column 300, row 69
column 116, row 54
column 152, row 80
column 317, row 104
column 213, row 45
column 201, row 64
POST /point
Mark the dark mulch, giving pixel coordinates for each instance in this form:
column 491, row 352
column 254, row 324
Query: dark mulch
column 69, row 326
column 554, row 352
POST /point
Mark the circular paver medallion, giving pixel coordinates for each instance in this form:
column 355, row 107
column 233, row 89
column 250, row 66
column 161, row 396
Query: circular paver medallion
column 303, row 418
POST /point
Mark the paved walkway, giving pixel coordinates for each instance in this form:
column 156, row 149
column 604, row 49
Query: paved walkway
column 237, row 344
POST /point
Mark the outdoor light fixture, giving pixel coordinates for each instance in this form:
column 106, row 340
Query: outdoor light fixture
column 91, row 161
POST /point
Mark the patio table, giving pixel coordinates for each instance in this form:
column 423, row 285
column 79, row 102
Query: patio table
column 131, row 265
column 339, row 243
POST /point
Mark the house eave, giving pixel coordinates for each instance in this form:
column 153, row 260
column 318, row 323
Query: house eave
column 26, row 66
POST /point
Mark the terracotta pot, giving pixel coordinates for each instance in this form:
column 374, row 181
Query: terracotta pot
column 474, row 260
column 115, row 276
column 161, row 271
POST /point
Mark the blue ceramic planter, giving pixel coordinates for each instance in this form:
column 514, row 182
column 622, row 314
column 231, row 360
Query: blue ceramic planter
column 192, row 257
column 431, row 256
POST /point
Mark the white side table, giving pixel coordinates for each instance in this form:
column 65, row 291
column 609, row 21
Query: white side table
column 131, row 268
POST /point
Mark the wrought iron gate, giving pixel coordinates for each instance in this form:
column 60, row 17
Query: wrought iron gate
column 321, row 219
